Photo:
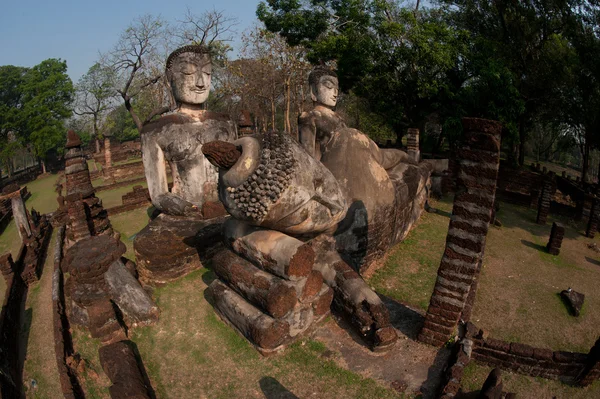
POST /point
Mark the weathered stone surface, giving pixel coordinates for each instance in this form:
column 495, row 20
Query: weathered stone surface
column 91, row 257
column 274, row 295
column 275, row 184
column 265, row 332
column 121, row 366
column 274, row 252
column 177, row 138
column 353, row 297
column 574, row 300
column 170, row 247
column 556, row 236
column 492, row 387
column 129, row 296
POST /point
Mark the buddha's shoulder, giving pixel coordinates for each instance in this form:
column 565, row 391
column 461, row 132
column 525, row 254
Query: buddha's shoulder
column 166, row 120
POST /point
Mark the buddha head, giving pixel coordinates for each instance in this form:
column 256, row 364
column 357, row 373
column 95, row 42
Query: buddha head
column 323, row 86
column 189, row 71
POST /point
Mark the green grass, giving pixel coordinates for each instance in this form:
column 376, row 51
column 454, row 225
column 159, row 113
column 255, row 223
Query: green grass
column 112, row 198
column 129, row 224
column 410, row 270
column 190, row 341
column 526, row 387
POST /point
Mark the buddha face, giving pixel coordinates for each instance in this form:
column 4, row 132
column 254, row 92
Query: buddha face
column 190, row 76
column 326, row 91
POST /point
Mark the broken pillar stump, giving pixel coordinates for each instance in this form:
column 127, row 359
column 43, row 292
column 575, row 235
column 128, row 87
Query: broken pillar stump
column 548, row 190
column 556, row 237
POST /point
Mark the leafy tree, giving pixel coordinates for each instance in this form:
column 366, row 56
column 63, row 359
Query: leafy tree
column 11, row 122
column 396, row 58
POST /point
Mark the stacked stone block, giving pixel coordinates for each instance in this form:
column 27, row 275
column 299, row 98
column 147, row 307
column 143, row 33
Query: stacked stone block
column 120, row 364
column 459, row 269
column 556, row 237
column 592, row 226
column 99, row 281
column 412, row 144
column 84, row 208
column 271, row 295
column 548, row 190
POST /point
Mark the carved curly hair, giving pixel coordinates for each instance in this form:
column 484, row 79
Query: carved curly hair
column 318, row 72
column 192, row 48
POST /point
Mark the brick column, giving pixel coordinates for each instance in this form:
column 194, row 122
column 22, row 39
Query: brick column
column 592, row 370
column 592, row 226
column 412, row 144
column 458, row 272
column 556, row 236
column 107, row 153
column 545, row 200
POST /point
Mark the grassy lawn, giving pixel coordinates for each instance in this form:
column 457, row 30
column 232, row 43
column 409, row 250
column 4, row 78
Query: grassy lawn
column 129, row 224
column 526, row 387
column 192, row 353
column 518, row 292
column 112, row 198
column 40, row 364
column 410, row 270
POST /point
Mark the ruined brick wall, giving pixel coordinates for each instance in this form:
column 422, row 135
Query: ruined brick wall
column 519, row 186
column 465, row 243
column 10, row 321
column 63, row 342
column 538, row 362
column 451, row 380
column 122, row 172
column 138, row 198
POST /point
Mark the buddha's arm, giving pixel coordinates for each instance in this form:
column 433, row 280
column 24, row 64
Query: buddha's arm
column 308, row 134
column 156, row 176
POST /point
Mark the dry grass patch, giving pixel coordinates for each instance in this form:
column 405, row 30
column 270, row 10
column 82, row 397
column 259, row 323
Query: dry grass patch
column 192, row 353
column 526, row 387
column 40, row 363
column 518, row 297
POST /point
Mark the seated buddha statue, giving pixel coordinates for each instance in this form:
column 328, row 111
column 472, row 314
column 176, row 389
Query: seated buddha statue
column 167, row 247
column 384, row 188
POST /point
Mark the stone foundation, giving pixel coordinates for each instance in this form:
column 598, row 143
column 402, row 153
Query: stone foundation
column 170, row 247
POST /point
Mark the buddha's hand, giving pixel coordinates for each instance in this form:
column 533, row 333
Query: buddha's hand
column 171, row 204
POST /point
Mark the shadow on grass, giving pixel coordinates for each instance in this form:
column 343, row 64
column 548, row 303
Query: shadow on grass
column 592, row 261
column 403, row 318
column 530, row 244
column 431, row 385
column 272, row 389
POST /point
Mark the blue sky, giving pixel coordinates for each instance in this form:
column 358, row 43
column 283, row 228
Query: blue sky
column 77, row 31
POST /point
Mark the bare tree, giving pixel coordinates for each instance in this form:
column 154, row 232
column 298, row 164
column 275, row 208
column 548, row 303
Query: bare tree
column 139, row 56
column 95, row 95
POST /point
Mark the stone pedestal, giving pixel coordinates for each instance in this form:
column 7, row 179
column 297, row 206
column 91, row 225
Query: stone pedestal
column 170, row 247
column 465, row 244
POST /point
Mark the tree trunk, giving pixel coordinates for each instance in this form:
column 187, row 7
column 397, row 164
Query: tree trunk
column 273, row 114
column 586, row 156
column 521, row 141
column 43, row 166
